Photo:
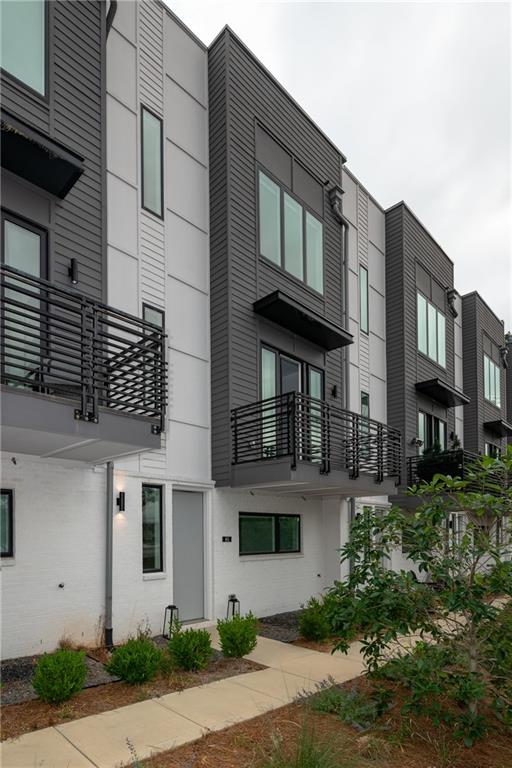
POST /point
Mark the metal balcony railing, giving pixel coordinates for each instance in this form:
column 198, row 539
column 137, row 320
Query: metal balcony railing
column 305, row 429
column 57, row 342
column 456, row 463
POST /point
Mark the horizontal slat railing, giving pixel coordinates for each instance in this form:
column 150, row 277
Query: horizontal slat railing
column 305, row 429
column 58, row 342
column 456, row 463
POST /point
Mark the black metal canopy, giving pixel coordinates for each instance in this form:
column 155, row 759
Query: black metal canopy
column 444, row 393
column 295, row 317
column 499, row 427
column 38, row 158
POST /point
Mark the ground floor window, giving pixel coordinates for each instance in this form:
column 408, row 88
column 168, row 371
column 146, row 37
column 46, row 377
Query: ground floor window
column 261, row 534
column 7, row 523
column 492, row 450
column 152, row 528
column 431, row 432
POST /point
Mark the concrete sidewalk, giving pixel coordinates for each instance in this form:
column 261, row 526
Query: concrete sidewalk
column 155, row 725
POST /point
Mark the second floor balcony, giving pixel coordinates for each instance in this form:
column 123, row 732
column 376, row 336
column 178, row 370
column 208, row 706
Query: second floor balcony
column 456, row 463
column 295, row 443
column 80, row 380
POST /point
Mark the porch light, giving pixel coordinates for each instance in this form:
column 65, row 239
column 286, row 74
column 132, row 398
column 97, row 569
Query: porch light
column 73, row 271
column 233, row 606
column 120, row 501
column 173, row 612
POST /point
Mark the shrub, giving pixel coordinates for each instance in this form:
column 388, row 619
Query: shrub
column 237, row 635
column 190, row 649
column 135, row 662
column 357, row 708
column 59, row 675
column 314, row 623
column 308, row 751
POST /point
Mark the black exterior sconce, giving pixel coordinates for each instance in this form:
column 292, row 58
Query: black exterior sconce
column 120, row 501
column 417, row 442
column 173, row 612
column 73, row 271
column 233, row 607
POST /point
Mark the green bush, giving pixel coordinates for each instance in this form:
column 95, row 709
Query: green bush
column 313, row 622
column 59, row 675
column 237, row 635
column 135, row 662
column 190, row 649
column 357, row 708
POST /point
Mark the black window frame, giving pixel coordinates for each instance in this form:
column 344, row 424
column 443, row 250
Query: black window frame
column 304, row 373
column 48, row 40
column 492, row 450
column 158, row 310
column 160, row 215
column 9, row 492
column 161, row 516
column 275, row 517
column 305, row 208
column 426, row 355
column 430, row 430
column 365, row 330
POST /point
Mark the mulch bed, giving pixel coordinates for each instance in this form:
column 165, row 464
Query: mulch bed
column 35, row 714
column 399, row 742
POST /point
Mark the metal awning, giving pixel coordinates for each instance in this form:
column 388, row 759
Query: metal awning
column 295, row 317
column 499, row 427
column 38, row 158
column 444, row 393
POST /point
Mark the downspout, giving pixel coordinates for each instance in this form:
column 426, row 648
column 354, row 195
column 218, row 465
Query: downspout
column 112, row 10
column 109, row 539
column 335, row 198
column 352, row 517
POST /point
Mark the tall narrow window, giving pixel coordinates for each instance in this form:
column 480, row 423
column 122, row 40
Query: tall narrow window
column 422, row 324
column 152, row 528
column 270, row 219
column 152, row 162
column 363, row 298
column 492, row 382
column 314, row 253
column 6, row 523
column 441, row 339
column 422, row 432
column 24, row 45
column 431, row 330
column 293, row 250
column 365, row 424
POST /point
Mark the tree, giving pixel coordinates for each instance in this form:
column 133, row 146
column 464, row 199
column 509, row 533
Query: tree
column 447, row 636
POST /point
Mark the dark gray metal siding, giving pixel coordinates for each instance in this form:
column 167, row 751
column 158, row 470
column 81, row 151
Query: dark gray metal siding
column 242, row 95
column 479, row 320
column 408, row 246
column 508, row 375
column 73, row 114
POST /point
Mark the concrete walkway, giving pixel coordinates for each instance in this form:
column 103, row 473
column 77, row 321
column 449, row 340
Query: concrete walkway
column 155, row 725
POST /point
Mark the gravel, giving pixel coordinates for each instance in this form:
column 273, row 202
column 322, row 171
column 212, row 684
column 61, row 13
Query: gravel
column 281, row 626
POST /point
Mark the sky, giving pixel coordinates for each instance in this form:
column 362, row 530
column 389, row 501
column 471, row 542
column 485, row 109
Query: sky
column 416, row 95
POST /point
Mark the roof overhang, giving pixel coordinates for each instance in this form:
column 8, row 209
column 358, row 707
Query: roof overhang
column 295, row 317
column 499, row 427
column 445, row 394
column 38, row 158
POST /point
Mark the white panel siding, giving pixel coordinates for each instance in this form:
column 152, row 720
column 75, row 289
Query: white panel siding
column 151, row 44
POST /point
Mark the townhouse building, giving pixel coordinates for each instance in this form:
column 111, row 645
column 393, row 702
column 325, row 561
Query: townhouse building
column 298, row 342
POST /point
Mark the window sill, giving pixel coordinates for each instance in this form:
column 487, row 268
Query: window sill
column 154, row 576
column 275, row 556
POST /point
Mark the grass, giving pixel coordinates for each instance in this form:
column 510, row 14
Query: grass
column 311, row 751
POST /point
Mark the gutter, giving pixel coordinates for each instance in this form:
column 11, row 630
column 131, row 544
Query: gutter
column 335, row 198
column 109, row 519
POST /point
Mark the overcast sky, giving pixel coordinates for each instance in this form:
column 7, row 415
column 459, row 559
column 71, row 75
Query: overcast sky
column 416, row 95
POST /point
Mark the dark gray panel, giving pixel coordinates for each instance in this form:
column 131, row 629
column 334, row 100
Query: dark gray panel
column 308, row 188
column 272, row 155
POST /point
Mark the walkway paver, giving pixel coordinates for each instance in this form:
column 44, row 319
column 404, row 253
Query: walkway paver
column 103, row 741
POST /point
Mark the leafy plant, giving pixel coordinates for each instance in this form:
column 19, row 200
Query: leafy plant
column 137, row 661
column 459, row 659
column 59, row 675
column 357, row 708
column 190, row 649
column 237, row 635
column 313, row 621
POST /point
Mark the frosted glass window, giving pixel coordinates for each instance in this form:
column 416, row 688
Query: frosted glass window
column 152, row 197
column 268, row 373
column 421, row 432
column 422, row 324
column 492, row 383
column 441, row 339
column 314, row 253
column 293, row 249
column 432, row 332
column 270, row 219
column 23, row 50
column 363, row 299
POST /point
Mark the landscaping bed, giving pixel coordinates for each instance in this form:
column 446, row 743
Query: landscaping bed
column 281, row 626
column 35, row 714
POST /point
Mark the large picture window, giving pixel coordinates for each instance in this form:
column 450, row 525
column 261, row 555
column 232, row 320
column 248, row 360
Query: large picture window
column 24, row 42
column 261, row 534
column 152, row 528
column 7, row 523
column 290, row 236
column 152, row 163
column 492, row 383
column 431, row 331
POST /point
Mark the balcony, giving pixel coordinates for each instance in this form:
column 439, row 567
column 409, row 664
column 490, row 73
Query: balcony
column 80, row 380
column 296, row 444
column 454, row 463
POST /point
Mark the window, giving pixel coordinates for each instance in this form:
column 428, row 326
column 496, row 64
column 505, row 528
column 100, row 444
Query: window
column 431, row 330
column 364, row 429
column 492, row 450
column 268, row 534
column 290, row 236
column 153, row 315
column 492, row 383
column 7, row 523
column 363, row 299
column 431, row 431
column 152, row 528
column 24, row 45
column 152, row 161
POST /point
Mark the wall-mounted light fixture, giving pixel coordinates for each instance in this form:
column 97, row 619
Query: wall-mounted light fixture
column 120, row 501
column 334, row 391
column 73, row 271
column 417, row 442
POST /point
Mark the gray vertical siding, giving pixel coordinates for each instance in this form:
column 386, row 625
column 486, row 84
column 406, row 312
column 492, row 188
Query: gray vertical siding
column 73, row 114
column 478, row 320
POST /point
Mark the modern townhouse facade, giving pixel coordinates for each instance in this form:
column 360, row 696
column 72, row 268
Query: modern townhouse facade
column 486, row 417
column 298, row 340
